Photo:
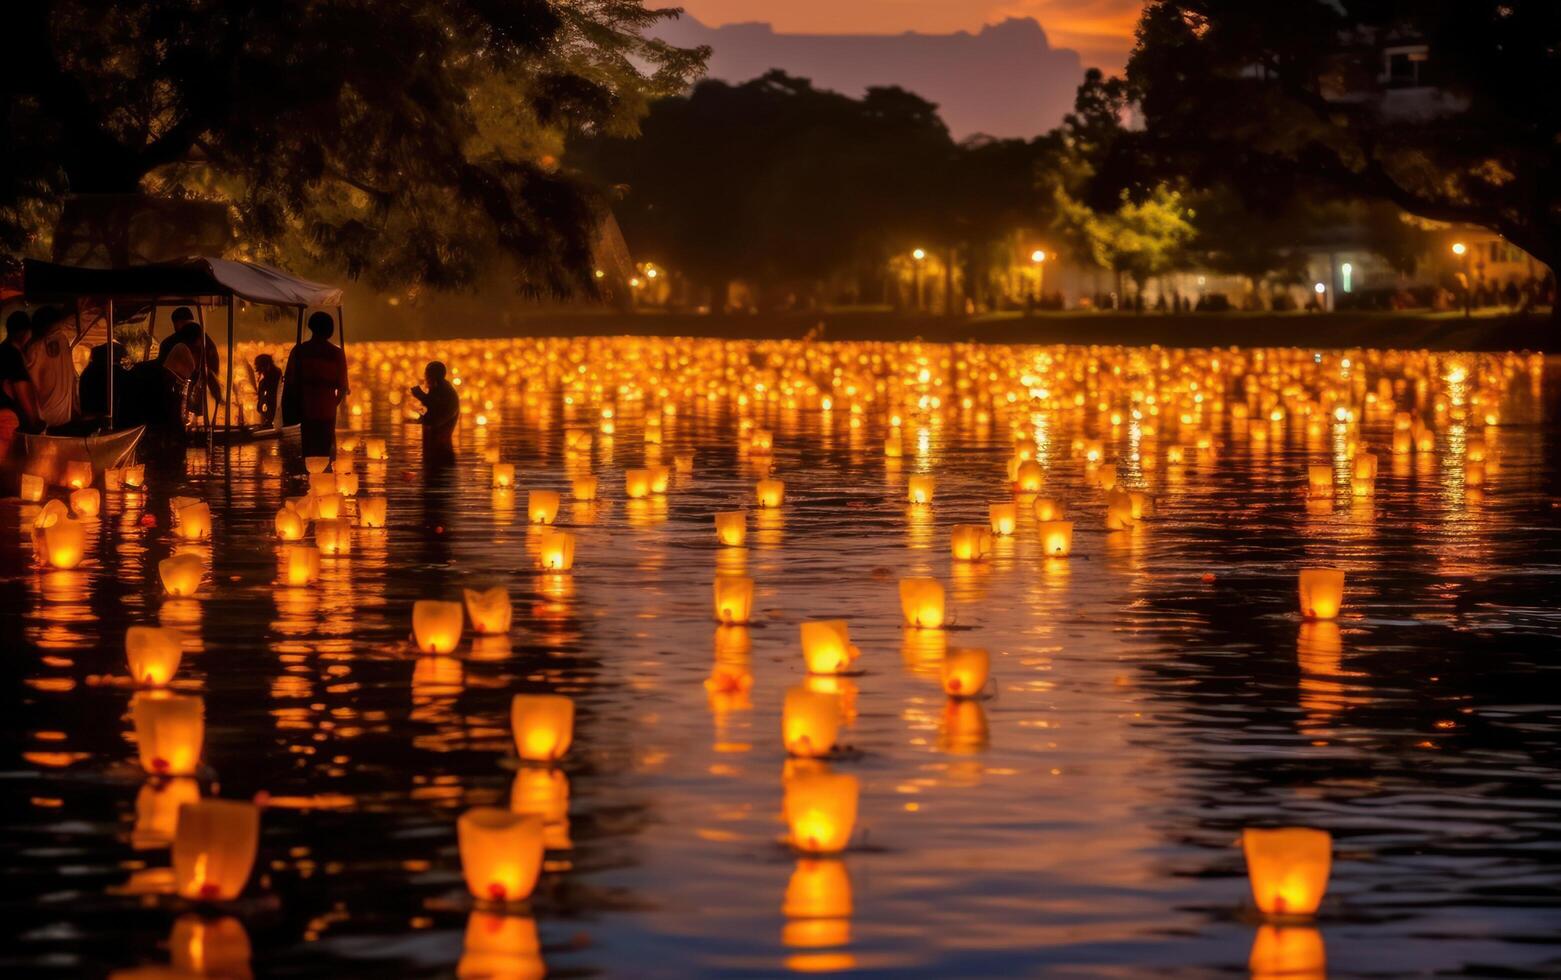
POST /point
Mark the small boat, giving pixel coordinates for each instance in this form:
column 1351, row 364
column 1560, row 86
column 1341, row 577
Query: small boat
column 48, row 454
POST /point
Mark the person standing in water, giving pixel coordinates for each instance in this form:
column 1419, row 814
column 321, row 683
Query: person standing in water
column 313, row 386
column 443, row 412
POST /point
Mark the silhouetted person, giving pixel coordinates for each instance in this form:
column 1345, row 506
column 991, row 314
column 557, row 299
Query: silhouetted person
column 443, row 413
column 314, row 385
column 51, row 369
column 18, row 410
column 188, row 332
column 94, row 381
column 268, row 379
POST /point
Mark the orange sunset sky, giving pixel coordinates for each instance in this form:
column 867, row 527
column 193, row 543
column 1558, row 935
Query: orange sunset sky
column 1100, row 30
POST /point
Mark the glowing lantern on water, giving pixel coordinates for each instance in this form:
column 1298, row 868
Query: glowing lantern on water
column 316, row 464
column 733, row 599
column 1004, row 518
column 1119, row 512
column 371, row 511
column 970, row 542
column 761, row 441
column 181, row 574
column 328, row 507
column 1322, row 592
column 543, row 724
column 1365, row 466
column 32, row 488
column 820, row 809
column 810, row 722
column 1047, row 509
column 1056, row 538
column 770, row 493
column 577, row 440
column 556, row 551
column 504, row 475
column 86, row 502
column 826, row 646
column 636, row 483
column 490, row 610
column 194, row 522
column 660, row 476
column 322, row 484
column 65, row 542
column 501, row 853
column 77, row 474
column 892, row 446
column 436, row 625
column 731, row 528
column 135, row 477
column 169, row 732
column 375, row 449
column 202, row 947
column 153, row 653
column 300, row 564
column 1319, row 479
column 919, row 489
column 289, row 525
column 1288, row 868
column 922, row 602
column 541, row 506
column 1474, row 474
column 113, row 478
column 584, row 488
column 1028, row 477
column 214, row 849
column 333, row 537
column 347, row 484
column 965, row 672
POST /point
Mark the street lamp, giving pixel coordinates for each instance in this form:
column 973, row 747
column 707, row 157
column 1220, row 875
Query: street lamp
column 1321, row 289
column 1462, row 251
column 919, row 254
column 1038, row 258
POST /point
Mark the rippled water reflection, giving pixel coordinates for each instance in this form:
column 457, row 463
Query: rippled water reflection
column 1154, row 694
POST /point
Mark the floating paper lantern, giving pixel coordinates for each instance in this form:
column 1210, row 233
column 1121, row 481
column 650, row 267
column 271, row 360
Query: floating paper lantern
column 347, row 484
column 1322, row 592
column 965, row 672
column 1474, row 474
column 328, row 506
column 683, row 463
column 77, row 474
column 1365, row 467
column 86, row 502
column 65, row 542
column 731, row 528
column 556, row 551
column 922, row 602
column 660, row 477
column 893, row 448
column 491, row 610
column 577, row 440
column 584, row 488
column 733, row 599
column 1288, row 868
column 181, row 574
column 1003, row 518
column 1029, row 477
column 1047, row 509
column 1056, row 538
column 919, row 489
column 371, row 511
column 322, row 484
column 194, row 522
column 153, row 653
column 970, row 542
column 135, row 477
column 316, row 464
column 1175, row 454
column 50, row 513
column 810, row 722
column 770, row 493
column 820, row 810
column 32, row 488
column 214, row 849
column 501, row 853
column 333, row 537
column 504, row 475
column 289, row 525
column 202, row 947
column 1119, row 512
column 541, row 506
column 1141, row 504
column 300, row 564
column 169, row 732
column 636, row 483
column 826, row 646
column 761, row 441
column 375, row 449
column 543, row 725
column 436, row 625
column 113, row 478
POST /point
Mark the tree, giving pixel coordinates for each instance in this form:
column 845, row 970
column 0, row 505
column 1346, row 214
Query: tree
column 406, row 141
column 1276, row 99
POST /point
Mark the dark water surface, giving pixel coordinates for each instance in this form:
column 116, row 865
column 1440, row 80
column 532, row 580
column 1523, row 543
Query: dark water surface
column 1082, row 821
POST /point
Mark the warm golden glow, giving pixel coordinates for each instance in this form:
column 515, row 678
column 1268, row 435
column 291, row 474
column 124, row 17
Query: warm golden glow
column 181, row 574
column 826, row 646
column 153, row 653
column 820, row 810
column 501, row 853
column 1288, row 868
column 1288, row 952
column 556, row 551
column 922, row 602
column 1003, row 518
column 300, row 564
column 86, row 502
column 543, row 726
column 810, row 722
column 731, row 527
column 503, row 475
column 919, row 489
column 489, row 610
column 371, row 511
column 583, row 488
column 1322, row 592
column 733, row 599
column 289, row 525
column 333, row 537
column 965, row 672
column 214, row 849
column 636, row 483
column 541, row 506
column 970, row 542
column 436, row 625
column 770, row 493
column 1056, row 538
column 170, row 730
column 65, row 542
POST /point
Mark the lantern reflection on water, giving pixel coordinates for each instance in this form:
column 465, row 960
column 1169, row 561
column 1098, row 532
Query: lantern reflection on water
column 1288, row 952
column 820, row 810
column 1288, row 868
column 153, row 653
column 300, row 564
column 501, row 853
column 181, row 574
column 965, row 672
column 501, row 947
column 543, row 725
column 214, row 849
column 826, row 646
column 541, row 506
column 817, row 905
column 1322, row 592
column 731, row 528
column 733, row 599
column 922, row 602
column 490, row 610
column 810, row 722
column 436, row 625
column 202, row 947
column 157, row 810
column 170, row 730
column 1056, row 538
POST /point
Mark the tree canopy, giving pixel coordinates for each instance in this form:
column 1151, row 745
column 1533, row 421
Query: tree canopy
column 411, row 142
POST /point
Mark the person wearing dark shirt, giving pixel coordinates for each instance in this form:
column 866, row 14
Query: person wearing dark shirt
column 18, row 407
column 188, row 331
column 268, row 378
column 94, row 382
column 443, row 413
column 314, row 385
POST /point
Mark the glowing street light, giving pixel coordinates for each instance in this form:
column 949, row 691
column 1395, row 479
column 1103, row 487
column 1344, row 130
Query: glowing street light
column 1038, row 258
column 1462, row 251
column 918, row 254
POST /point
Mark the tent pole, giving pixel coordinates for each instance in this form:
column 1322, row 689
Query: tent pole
column 200, row 313
column 298, row 337
column 227, row 406
column 112, row 363
column 341, row 327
